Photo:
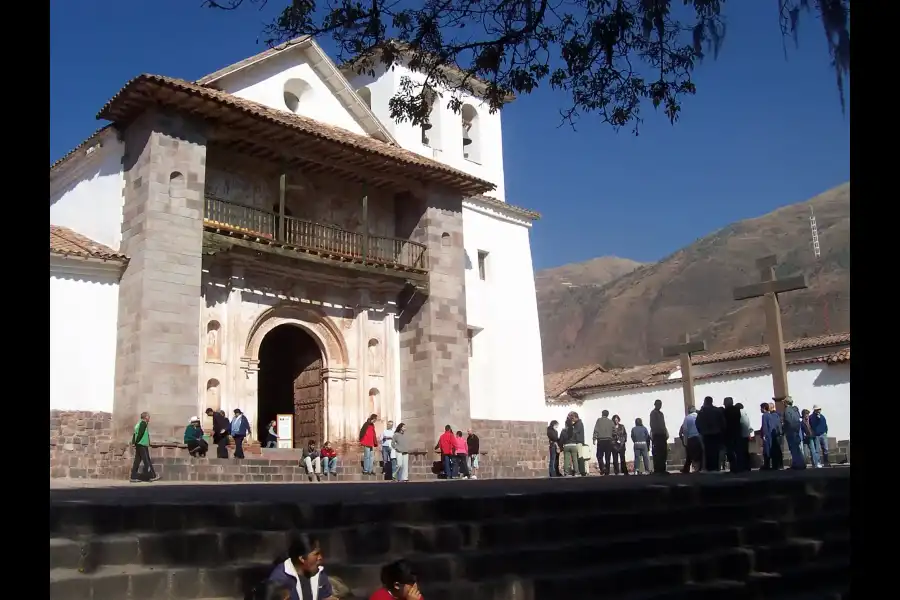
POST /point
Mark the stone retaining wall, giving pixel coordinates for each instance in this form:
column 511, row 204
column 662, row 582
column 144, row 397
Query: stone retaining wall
column 82, row 446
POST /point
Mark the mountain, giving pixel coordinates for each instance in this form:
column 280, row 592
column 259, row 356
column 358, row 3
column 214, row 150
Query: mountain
column 618, row 312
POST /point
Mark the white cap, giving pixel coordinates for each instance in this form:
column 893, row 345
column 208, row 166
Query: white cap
column 194, row 419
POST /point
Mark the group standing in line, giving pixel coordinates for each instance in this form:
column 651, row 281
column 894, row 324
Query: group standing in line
column 711, row 437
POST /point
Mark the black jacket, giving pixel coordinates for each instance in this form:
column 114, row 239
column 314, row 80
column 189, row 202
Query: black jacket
column 732, row 421
column 474, row 444
column 220, row 423
column 575, row 432
column 552, row 436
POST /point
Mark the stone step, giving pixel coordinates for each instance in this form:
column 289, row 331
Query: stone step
column 199, row 545
column 669, row 578
column 691, row 547
column 584, row 578
column 307, row 507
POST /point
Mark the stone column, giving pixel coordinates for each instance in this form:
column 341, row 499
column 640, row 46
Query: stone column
column 434, row 357
column 234, row 349
column 158, row 354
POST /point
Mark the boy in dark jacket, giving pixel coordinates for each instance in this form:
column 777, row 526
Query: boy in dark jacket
column 220, row 432
column 302, row 571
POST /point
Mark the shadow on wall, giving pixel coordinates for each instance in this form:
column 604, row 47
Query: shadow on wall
column 832, row 375
column 100, row 168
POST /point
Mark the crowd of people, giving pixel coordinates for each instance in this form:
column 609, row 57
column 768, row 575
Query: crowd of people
column 711, row 436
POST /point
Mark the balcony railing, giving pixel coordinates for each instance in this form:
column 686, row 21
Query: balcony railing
column 315, row 237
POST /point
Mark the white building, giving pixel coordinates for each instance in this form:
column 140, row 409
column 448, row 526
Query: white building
column 276, row 193
column 818, row 373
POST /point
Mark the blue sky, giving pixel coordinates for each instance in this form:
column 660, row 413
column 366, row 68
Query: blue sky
column 761, row 133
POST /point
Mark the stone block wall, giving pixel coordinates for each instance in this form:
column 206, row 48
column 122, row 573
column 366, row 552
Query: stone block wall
column 512, row 448
column 82, row 444
column 434, row 356
column 158, row 349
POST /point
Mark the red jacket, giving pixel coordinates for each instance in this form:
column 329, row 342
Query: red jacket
column 447, row 443
column 367, row 437
column 328, row 452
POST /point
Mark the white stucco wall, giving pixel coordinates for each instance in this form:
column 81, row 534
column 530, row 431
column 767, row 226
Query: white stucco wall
column 265, row 83
column 83, row 317
column 86, row 195
column 816, row 383
column 445, row 136
column 505, row 371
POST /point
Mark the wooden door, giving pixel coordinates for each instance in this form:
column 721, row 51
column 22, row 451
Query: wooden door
column 309, row 402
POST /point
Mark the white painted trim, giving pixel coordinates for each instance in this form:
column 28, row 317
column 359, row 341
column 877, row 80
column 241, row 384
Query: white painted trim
column 342, row 88
column 497, row 213
column 333, row 79
column 74, row 168
column 102, row 271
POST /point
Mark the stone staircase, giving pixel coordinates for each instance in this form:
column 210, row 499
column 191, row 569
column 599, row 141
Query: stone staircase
column 764, row 535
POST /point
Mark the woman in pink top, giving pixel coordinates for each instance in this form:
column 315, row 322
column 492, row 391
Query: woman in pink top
column 462, row 454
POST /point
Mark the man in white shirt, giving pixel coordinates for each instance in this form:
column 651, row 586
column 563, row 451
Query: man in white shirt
column 387, row 449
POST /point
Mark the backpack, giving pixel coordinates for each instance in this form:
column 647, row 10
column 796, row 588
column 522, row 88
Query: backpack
column 792, row 419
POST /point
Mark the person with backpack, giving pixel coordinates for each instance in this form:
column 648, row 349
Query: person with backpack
column 141, row 442
column 793, row 422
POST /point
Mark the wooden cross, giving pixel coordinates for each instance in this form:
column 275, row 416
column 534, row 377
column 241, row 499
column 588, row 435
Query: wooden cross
column 769, row 288
column 684, row 351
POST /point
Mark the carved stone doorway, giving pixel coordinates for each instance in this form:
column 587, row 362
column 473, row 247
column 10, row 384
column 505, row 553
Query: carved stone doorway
column 290, row 382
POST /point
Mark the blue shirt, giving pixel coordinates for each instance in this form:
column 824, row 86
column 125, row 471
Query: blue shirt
column 689, row 427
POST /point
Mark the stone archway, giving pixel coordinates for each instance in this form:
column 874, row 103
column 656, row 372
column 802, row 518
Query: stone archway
column 316, row 376
column 290, row 382
column 314, row 322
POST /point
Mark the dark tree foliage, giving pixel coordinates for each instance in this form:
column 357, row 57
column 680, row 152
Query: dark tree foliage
column 609, row 56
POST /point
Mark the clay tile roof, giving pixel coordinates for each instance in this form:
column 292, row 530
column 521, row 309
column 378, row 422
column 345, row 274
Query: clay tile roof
column 92, row 139
column 557, row 383
column 157, row 90
column 65, row 242
column 638, row 375
column 807, row 343
column 658, row 373
column 841, row 357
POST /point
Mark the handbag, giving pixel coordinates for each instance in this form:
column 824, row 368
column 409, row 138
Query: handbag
column 584, row 452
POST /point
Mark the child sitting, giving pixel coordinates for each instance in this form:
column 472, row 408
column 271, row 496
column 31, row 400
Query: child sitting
column 398, row 583
column 329, row 459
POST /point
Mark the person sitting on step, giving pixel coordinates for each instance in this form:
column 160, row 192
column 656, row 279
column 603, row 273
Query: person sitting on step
column 329, row 459
column 312, row 460
column 398, row 582
column 193, row 439
column 302, row 572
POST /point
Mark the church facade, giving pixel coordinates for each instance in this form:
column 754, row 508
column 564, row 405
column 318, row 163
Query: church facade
column 266, row 238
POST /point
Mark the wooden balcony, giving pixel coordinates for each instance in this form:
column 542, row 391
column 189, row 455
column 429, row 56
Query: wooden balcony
column 306, row 237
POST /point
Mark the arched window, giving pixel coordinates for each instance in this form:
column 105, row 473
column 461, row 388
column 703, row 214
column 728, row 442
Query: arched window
column 296, row 93
column 365, row 94
column 176, row 185
column 431, row 131
column 471, row 134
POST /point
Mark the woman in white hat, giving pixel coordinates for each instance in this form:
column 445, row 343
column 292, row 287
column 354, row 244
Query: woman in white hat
column 193, row 438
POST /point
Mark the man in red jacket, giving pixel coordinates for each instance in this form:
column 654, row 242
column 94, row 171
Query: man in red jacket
column 446, row 444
